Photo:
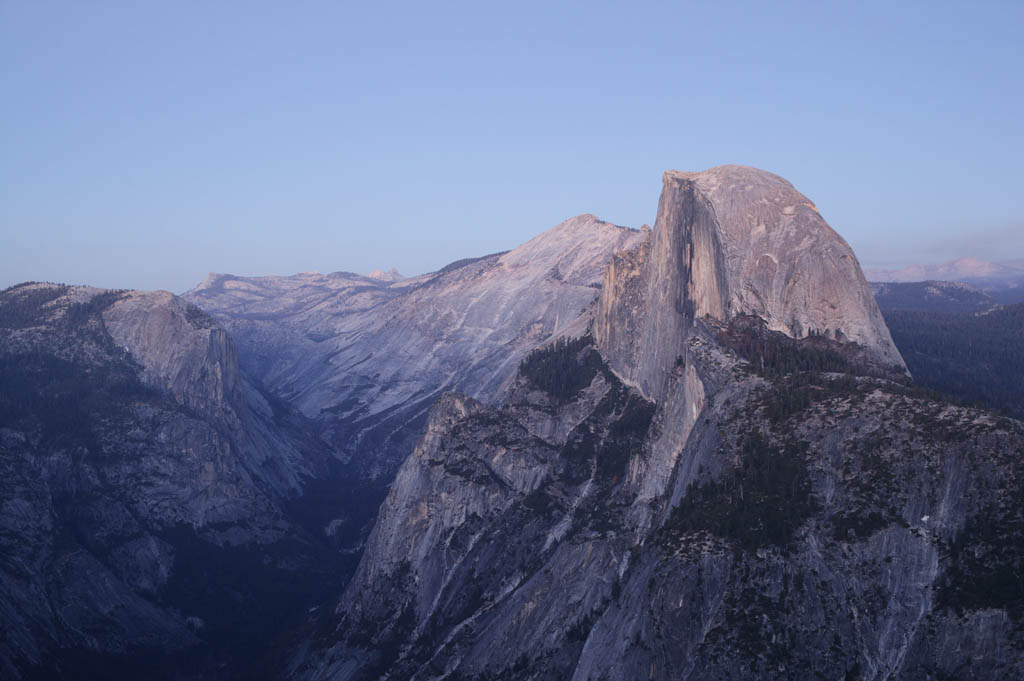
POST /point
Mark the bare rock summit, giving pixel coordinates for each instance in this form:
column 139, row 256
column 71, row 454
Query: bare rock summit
column 733, row 241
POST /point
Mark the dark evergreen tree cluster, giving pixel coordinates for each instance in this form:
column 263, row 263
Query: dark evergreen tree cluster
column 80, row 314
column 20, row 305
column 759, row 503
column 606, row 453
column 771, row 353
column 986, row 562
column 794, row 393
column 64, row 400
column 563, row 368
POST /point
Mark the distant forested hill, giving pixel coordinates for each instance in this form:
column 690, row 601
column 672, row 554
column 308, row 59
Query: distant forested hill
column 932, row 296
column 975, row 357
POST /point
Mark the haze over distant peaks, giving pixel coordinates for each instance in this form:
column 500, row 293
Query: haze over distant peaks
column 936, row 296
column 1004, row 281
column 961, row 269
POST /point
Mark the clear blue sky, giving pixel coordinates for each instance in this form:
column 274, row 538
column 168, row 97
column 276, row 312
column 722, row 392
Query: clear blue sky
column 144, row 144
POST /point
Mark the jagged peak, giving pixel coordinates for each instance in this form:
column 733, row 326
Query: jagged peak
column 390, row 275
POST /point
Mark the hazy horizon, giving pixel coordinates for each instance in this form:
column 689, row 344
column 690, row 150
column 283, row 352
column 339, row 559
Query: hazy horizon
column 147, row 146
column 366, row 271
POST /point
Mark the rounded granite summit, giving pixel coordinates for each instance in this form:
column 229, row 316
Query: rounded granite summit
column 730, row 241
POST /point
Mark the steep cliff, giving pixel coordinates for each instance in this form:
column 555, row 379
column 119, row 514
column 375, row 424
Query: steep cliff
column 733, row 241
column 732, row 478
column 829, row 525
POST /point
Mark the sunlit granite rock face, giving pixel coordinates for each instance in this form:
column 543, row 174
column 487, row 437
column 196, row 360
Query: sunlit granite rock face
column 727, row 242
column 731, row 241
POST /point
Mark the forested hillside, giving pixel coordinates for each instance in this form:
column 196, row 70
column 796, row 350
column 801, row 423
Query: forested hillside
column 977, row 358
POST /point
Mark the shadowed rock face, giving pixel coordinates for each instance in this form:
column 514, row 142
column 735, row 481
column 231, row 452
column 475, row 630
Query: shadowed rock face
column 151, row 496
column 729, row 241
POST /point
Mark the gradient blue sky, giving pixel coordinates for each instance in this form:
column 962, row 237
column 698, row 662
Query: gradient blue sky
column 145, row 144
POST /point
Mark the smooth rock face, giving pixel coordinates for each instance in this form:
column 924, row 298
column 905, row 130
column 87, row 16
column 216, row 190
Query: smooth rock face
column 729, row 241
column 367, row 358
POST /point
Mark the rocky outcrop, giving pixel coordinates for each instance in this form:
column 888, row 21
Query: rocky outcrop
column 180, row 349
column 474, row 541
column 814, row 524
column 391, row 275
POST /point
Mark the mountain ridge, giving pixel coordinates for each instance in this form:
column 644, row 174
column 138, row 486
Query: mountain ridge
column 370, row 360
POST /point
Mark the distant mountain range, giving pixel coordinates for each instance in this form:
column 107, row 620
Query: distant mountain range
column 1004, row 281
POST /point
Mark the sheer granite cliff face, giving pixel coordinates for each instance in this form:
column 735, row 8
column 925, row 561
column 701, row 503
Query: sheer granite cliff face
column 180, row 350
column 733, row 478
column 727, row 242
column 731, row 241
